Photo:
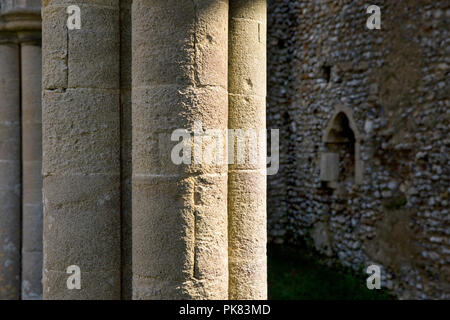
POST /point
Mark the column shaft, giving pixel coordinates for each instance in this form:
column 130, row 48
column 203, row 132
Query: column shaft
column 10, row 171
column 126, row 165
column 179, row 212
column 81, row 149
column 247, row 181
column 32, row 166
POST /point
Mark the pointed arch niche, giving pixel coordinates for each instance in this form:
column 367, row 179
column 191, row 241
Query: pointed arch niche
column 340, row 161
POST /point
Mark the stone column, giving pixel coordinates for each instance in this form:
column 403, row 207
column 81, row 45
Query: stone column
column 81, row 149
column 247, row 181
column 179, row 212
column 32, row 166
column 126, row 165
column 10, row 169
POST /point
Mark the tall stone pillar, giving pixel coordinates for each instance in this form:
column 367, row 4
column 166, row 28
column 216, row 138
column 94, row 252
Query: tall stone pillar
column 10, row 169
column 31, row 167
column 81, row 150
column 126, row 141
column 179, row 212
column 247, row 180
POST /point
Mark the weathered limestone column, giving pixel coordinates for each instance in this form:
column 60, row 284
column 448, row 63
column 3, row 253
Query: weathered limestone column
column 32, row 166
column 10, row 168
column 179, row 212
column 81, row 149
column 126, row 164
column 247, row 181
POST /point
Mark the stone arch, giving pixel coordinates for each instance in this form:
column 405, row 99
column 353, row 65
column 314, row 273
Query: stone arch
column 340, row 159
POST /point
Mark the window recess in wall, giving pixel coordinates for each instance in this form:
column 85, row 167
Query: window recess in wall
column 340, row 162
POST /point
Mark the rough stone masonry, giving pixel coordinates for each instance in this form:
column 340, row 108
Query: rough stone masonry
column 364, row 133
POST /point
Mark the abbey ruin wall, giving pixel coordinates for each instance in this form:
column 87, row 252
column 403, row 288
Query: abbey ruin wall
column 364, row 120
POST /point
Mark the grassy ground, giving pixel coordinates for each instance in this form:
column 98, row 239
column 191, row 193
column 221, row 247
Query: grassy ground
column 295, row 274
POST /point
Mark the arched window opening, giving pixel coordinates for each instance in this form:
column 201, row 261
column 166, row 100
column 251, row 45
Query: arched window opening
column 340, row 166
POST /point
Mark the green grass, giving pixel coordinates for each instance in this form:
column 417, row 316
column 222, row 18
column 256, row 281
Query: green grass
column 297, row 274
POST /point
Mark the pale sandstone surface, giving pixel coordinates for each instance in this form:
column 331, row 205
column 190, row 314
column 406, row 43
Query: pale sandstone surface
column 247, row 181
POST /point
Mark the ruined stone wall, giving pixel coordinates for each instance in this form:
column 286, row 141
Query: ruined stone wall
column 391, row 87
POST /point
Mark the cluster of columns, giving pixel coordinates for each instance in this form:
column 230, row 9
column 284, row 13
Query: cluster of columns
column 199, row 230
column 136, row 224
column 20, row 152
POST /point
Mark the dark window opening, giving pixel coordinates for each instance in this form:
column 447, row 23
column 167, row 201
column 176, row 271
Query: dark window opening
column 338, row 158
column 326, row 73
